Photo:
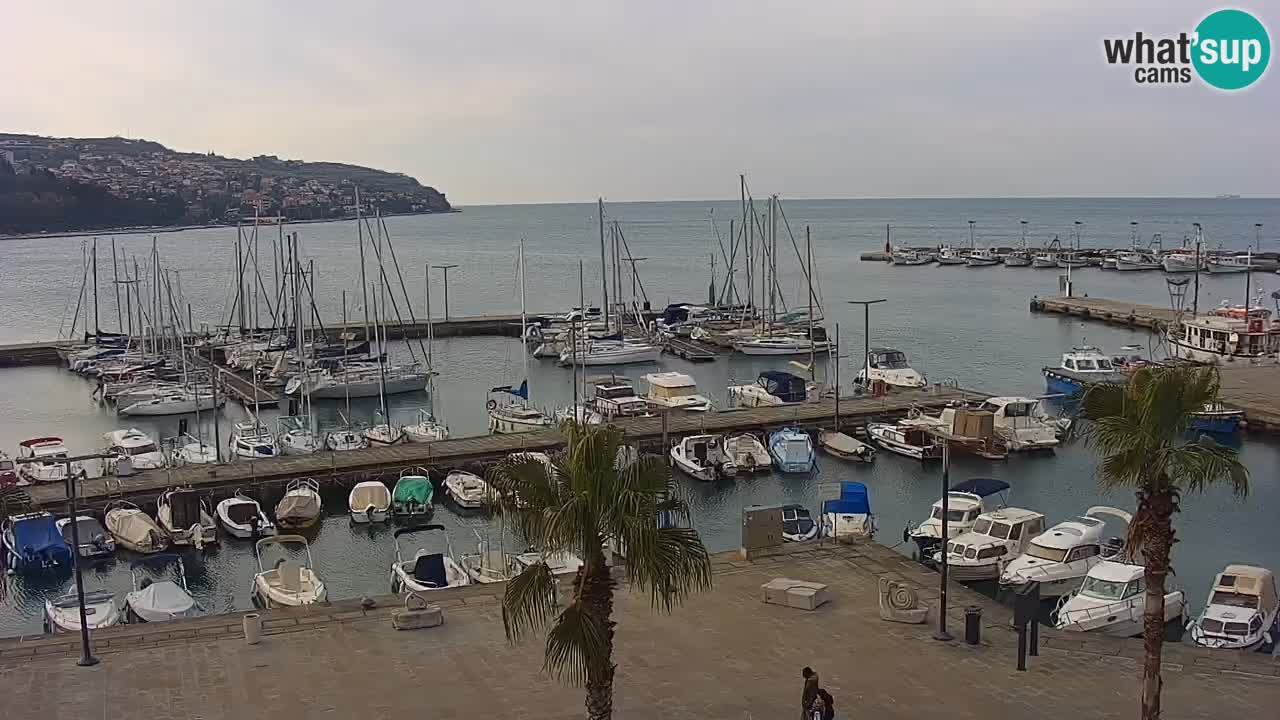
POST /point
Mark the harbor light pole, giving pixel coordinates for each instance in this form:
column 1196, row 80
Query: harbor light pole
column 1257, row 237
column 941, row 634
column 445, row 269
column 866, row 338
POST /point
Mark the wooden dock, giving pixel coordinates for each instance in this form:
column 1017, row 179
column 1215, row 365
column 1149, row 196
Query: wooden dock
column 689, row 350
column 238, row 388
column 1113, row 312
column 346, row 468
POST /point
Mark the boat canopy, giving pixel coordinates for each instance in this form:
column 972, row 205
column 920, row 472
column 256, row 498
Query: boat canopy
column 184, row 508
column 162, row 598
column 783, row 385
column 854, row 500
column 413, row 489
column 520, row 392
column 35, row 534
column 981, row 487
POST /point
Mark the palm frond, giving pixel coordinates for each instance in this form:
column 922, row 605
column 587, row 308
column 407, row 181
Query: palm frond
column 1196, row 465
column 528, row 601
column 668, row 562
column 577, row 642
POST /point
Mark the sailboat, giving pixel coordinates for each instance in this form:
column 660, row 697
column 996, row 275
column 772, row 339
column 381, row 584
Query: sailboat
column 252, row 440
column 506, row 414
column 383, row 432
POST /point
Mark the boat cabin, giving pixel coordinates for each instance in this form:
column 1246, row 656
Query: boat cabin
column 996, row 538
column 1087, row 360
column 783, row 385
column 884, row 358
column 1112, row 581
column 674, row 390
column 1227, row 332
column 616, row 398
column 1241, row 610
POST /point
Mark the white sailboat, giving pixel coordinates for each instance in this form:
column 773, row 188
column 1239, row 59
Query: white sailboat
column 506, row 413
column 426, row 429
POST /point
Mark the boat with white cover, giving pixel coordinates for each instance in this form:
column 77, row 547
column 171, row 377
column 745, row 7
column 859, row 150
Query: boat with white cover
column 909, row 441
column 1060, row 557
column 1242, row 610
column 792, row 450
column 593, row 353
column 997, row 537
column 289, row 582
column 845, row 446
column 1112, row 601
column 95, row 541
column 467, row 490
column 426, row 570
column 62, row 613
column 133, row 529
column 138, row 447
column 301, row 505
column 160, row 590
column 965, row 502
column 369, row 502
column 185, row 514
column 748, row 453
column 703, row 457
column 675, row 391
column 890, row 366
column 194, row 451
column 244, row 518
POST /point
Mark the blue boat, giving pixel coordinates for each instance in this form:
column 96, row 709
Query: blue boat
column 32, row 543
column 1080, row 368
column 850, row 516
column 1217, row 419
column 792, row 450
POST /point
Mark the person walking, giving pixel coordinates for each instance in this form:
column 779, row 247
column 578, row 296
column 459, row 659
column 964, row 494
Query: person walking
column 810, row 693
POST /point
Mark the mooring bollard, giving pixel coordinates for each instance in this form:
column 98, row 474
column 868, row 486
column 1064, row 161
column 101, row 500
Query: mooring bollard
column 973, row 625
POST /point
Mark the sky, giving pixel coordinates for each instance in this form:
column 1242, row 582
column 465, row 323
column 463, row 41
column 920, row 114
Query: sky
column 519, row 102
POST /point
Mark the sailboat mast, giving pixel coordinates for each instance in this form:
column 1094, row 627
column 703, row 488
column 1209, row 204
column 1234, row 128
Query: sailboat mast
column 604, row 267
column 808, row 251
column 836, row 361
column 115, row 281
column 97, row 330
column 346, row 387
column 431, row 330
column 524, row 354
column 364, row 287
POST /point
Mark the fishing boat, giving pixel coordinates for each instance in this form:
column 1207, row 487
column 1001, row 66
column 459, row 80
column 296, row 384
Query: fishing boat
column 1044, row 260
column 703, row 457
column 467, row 490
column 1021, row 424
column 133, row 529
column 997, row 537
column 185, row 515
column 1112, row 601
column 907, row 256
column 849, row 517
column 1079, row 368
column 426, row 429
column 46, row 461
column 1137, row 260
column 33, row 544
column 1241, row 611
column 889, row 366
column 412, row 495
column 771, row 388
column 1018, row 258
column 1181, row 261
column 62, row 613
column 965, row 502
column 1070, row 260
column 157, row 596
column 1059, row 558
column 95, row 541
column 845, row 446
column 792, row 450
column 951, row 256
column 369, row 502
column 1109, row 261
column 613, row 397
column 983, row 257
column 913, row 442
column 488, row 565
column 130, row 450
column 747, row 453
column 288, row 583
column 1229, row 264
column 244, row 518
column 426, row 570
column 1225, row 335
column 301, row 505
column 798, row 524
column 1217, row 418
column 675, row 391
column 252, row 441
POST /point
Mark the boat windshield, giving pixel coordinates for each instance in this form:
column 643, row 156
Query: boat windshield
column 142, row 449
column 1107, row 589
column 673, row 392
column 982, row 527
column 1222, row 597
column 1046, row 553
column 6, row 464
column 889, row 361
column 952, row 515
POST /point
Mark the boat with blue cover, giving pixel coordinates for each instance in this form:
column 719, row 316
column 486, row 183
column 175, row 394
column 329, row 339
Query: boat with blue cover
column 1217, row 418
column 33, row 543
column 849, row 517
column 792, row 450
column 1080, row 368
column 772, row 387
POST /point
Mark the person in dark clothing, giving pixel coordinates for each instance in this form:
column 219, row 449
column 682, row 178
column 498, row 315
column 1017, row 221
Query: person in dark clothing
column 810, row 693
column 828, row 704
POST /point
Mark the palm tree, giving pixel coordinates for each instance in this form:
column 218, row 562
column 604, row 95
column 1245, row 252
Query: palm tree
column 1140, row 429
column 594, row 493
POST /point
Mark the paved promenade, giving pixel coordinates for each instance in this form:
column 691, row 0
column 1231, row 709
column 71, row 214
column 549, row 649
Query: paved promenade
column 723, row 655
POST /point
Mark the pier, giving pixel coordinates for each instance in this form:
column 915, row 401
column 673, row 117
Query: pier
column 1113, row 312
column 689, row 350
column 241, row 389
column 346, row 468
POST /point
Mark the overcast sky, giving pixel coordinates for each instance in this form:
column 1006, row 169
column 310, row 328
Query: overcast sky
column 563, row 101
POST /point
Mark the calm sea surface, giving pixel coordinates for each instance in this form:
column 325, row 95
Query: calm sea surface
column 972, row 325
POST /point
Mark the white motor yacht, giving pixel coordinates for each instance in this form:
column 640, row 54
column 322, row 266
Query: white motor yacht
column 996, row 539
column 770, row 389
column 1021, row 424
column 965, row 502
column 369, row 502
column 426, row 570
column 675, row 391
column 467, row 490
column 1059, row 558
column 289, row 583
column 1112, row 600
column 244, row 518
column 252, row 441
column 889, row 366
column 703, row 457
column 1242, row 610
column 62, row 613
column 139, row 448
column 47, row 461
column 185, row 515
column 748, row 453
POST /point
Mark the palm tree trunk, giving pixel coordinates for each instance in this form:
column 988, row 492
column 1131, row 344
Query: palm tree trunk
column 1155, row 518
column 597, row 596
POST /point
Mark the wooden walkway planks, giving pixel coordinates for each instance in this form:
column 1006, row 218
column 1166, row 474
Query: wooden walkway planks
column 1115, row 312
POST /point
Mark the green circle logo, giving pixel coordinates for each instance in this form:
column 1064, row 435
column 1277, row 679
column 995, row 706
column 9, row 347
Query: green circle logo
column 1231, row 49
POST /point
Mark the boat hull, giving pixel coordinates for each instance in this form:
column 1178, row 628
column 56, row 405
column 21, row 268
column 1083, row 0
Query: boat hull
column 394, row 386
column 1217, row 422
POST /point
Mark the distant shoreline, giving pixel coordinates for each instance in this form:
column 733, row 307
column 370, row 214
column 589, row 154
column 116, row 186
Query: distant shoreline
column 158, row 229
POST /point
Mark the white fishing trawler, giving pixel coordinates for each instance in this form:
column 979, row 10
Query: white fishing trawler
column 1229, row 333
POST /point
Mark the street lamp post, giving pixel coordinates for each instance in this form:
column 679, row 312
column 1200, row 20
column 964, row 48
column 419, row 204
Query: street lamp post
column 446, row 269
column 866, row 338
column 941, row 633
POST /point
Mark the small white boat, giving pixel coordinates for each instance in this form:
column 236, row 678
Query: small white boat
column 296, row 436
column 845, row 446
column 427, row 429
column 889, row 366
column 675, row 391
column 703, row 457
column 244, row 518
column 369, row 502
column 301, row 505
column 1229, row 264
column 179, row 402
column 95, row 541
column 1112, row 600
column 595, row 353
column 747, row 453
column 792, row 450
column 1044, row 260
column 130, row 450
column 288, row 583
column 559, row 563
column 996, row 538
column 951, row 256
column 849, row 517
column 466, row 490
column 1137, row 260
column 1018, row 258
column 426, row 570
column 1071, row 260
column 46, row 461
column 771, row 388
column 193, row 451
column 160, row 600
column 1241, row 612
column 488, row 565
column 904, row 256
column 384, row 435
column 1180, row 262
column 798, row 524
column 62, row 614
column 185, row 515
column 912, row 442
column 252, row 441
column 344, row 439
column 133, row 529
column 779, row 345
column 1059, row 558
column 965, row 502
column 983, row 257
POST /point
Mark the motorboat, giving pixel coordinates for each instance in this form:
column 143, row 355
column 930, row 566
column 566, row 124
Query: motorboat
column 968, row 429
column 194, row 451
column 426, row 429
column 909, row 441
column 1018, row 258
column 965, row 502
column 1112, row 600
column 62, row 613
column 1060, row 557
column 244, row 518
column 95, row 541
column 426, row 570
column 488, row 565
column 46, row 461
column 8, row 471
column 983, row 257
column 1180, row 262
column 1071, row 260
column 997, row 537
column 798, row 524
column 1226, row 264
column 160, row 590
column 845, row 446
column 344, row 439
column 32, row 543
column 1044, row 260
column 1021, row 424
column 289, row 583
column 849, row 517
column 792, row 450
column 951, row 256
column 130, row 450
column 133, row 529
column 1079, row 368
column 613, row 397
column 412, row 495
column 703, row 457
column 889, row 366
column 747, row 453
column 369, row 502
column 252, row 441
column 582, row 413
column 384, row 434
column 175, row 402
column 513, row 414
column 675, row 391
column 907, row 256
column 296, row 436
column 1241, row 612
column 593, row 352
column 1137, row 260
column 185, row 515
column 771, row 388
column 1227, row 334
column 467, row 490
column 1109, row 261
column 301, row 505
column 1217, row 418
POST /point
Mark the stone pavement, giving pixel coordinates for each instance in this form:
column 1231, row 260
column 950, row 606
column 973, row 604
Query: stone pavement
column 724, row 654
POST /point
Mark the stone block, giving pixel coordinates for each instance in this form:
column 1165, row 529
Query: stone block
column 795, row 593
column 428, row 617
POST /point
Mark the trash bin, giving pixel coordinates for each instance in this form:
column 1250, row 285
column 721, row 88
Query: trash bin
column 973, row 625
